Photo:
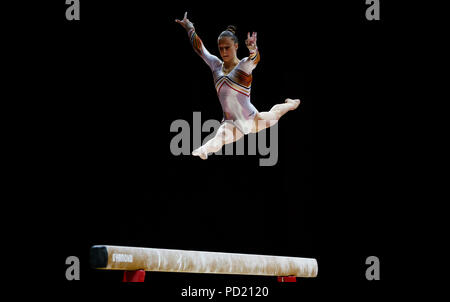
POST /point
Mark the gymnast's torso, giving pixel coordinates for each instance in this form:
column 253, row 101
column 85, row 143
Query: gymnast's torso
column 233, row 88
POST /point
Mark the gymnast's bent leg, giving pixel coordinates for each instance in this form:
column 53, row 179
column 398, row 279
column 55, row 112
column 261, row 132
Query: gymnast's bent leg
column 264, row 120
column 226, row 134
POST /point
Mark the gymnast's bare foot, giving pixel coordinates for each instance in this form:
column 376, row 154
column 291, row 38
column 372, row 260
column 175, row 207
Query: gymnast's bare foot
column 200, row 152
column 294, row 103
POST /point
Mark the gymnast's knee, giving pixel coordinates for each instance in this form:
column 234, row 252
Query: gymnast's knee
column 263, row 124
column 276, row 114
column 216, row 145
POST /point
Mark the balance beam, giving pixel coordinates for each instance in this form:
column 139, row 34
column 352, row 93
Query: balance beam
column 164, row 260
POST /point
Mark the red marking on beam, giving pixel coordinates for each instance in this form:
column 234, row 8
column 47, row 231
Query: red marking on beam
column 134, row 276
column 287, row 279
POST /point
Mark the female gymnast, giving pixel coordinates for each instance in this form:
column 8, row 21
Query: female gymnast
column 233, row 78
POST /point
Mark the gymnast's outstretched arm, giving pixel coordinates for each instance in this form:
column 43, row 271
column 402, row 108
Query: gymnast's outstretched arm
column 197, row 43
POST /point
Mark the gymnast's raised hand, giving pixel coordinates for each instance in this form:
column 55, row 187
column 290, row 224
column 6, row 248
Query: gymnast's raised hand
column 187, row 25
column 251, row 41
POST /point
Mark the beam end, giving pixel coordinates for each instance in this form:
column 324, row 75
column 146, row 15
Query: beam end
column 99, row 256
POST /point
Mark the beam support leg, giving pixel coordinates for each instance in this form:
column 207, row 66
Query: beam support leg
column 134, row 276
column 287, row 279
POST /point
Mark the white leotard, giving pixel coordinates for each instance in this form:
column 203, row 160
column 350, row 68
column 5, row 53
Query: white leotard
column 233, row 89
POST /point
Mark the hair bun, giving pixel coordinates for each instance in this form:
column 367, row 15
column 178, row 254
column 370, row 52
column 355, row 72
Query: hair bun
column 231, row 28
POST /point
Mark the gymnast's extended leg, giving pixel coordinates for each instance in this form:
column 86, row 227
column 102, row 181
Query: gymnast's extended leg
column 264, row 120
column 226, row 134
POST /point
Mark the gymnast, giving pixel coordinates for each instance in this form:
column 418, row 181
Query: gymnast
column 233, row 79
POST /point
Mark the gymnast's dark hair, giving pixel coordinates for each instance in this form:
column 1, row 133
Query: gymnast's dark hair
column 229, row 32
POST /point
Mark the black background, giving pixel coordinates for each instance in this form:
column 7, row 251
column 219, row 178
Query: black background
column 102, row 92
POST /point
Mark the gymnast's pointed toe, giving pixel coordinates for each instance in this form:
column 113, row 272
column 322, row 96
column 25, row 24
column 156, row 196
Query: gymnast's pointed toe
column 294, row 102
column 199, row 152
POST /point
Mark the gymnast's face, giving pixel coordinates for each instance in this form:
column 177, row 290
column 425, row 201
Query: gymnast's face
column 227, row 49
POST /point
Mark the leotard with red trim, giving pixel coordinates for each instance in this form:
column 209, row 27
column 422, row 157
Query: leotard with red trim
column 233, row 89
